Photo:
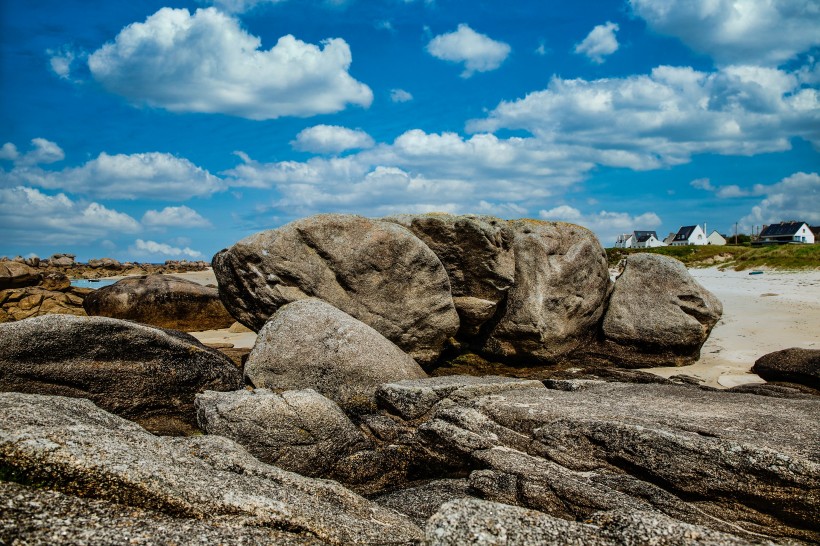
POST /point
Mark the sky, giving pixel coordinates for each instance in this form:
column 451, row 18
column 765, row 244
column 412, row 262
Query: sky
column 158, row 129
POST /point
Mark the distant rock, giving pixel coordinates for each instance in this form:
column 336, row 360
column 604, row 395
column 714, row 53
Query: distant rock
column 142, row 373
column 17, row 275
column 70, row 445
column 794, row 365
column 164, row 301
column 377, row 272
column 301, row 431
column 559, row 294
column 311, row 344
column 35, row 301
column 62, row 260
column 105, row 263
column 658, row 315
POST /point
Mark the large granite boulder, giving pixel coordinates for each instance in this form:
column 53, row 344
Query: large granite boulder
column 146, row 374
column 74, row 447
column 477, row 253
column 311, row 344
column 17, row 275
column 164, row 301
column 793, row 365
column 559, row 294
column 377, row 272
column 301, row 431
column 658, row 315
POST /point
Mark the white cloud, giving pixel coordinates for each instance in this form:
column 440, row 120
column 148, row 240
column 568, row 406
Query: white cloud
column 239, row 6
column 61, row 60
column 43, row 152
column 331, row 139
column 478, row 52
column 150, row 175
column 400, row 95
column 737, row 31
column 152, row 248
column 660, row 119
column 795, row 198
column 599, row 43
column 30, row 216
column 206, row 62
column 174, row 217
column 606, row 225
column 9, row 152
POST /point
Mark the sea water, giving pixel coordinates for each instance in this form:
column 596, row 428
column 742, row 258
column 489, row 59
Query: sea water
column 92, row 283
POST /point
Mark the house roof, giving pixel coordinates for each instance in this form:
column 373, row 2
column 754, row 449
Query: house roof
column 684, row 233
column 643, row 236
column 781, row 229
column 815, row 230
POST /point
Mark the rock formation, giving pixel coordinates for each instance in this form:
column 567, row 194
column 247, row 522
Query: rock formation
column 795, row 365
column 164, row 301
column 143, row 373
column 377, row 272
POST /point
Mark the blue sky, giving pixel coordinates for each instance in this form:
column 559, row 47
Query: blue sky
column 156, row 130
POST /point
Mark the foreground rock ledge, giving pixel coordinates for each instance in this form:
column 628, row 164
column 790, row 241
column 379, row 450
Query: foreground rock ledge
column 72, row 446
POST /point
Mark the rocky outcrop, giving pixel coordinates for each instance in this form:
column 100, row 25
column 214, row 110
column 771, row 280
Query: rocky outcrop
column 15, row 275
column 377, row 272
column 658, row 315
column 795, row 365
column 559, row 294
column 164, row 301
column 34, row 301
column 477, row 253
column 72, row 446
column 30, row 515
column 301, row 431
column 311, row 344
column 142, row 373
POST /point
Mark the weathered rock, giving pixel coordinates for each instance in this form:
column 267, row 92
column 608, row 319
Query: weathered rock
column 61, row 260
column 473, row 521
column 477, row 253
column 561, row 285
column 55, row 281
column 39, row 516
column 793, row 365
column 17, row 275
column 311, row 344
column 34, row 301
column 658, row 315
column 735, row 463
column 421, row 501
column 142, row 373
column 72, row 446
column 106, row 263
column 301, row 431
column 164, row 301
column 377, row 272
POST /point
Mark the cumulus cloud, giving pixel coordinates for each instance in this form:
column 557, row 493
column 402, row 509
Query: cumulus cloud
column 60, row 61
column 331, row 139
column 30, row 216
column 239, row 6
column 150, row 175
column 605, row 224
column 206, row 62
column 660, row 119
column 737, row 31
column 478, row 52
column 795, row 198
column 152, row 248
column 182, row 216
column 599, row 43
column 400, row 95
column 43, row 152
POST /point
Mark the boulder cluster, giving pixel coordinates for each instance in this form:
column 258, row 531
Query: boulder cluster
column 331, row 432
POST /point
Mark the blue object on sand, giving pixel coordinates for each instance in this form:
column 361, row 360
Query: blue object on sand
column 755, row 272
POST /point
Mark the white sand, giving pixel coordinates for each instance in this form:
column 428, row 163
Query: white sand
column 761, row 314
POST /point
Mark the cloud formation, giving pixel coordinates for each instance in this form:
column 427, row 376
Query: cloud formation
column 599, row 43
column 152, row 248
column 32, row 217
column 795, row 198
column 206, row 62
column 240, row 6
column 400, row 95
column 181, row 216
column 43, row 152
column 663, row 118
column 765, row 32
column 331, row 139
column 478, row 52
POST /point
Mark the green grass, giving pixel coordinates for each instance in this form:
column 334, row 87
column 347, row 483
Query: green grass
column 789, row 257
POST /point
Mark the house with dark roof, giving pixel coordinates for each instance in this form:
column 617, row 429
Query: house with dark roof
column 638, row 239
column 689, row 235
column 716, row 238
column 786, row 232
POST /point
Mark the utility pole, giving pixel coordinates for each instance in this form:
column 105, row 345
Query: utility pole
column 735, row 233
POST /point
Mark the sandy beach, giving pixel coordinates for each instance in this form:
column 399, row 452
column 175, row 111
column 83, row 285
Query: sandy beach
column 761, row 314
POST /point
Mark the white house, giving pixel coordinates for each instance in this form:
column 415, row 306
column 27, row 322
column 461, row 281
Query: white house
column 625, row 240
column 669, row 238
column 786, row 232
column 647, row 239
column 689, row 235
column 716, row 238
